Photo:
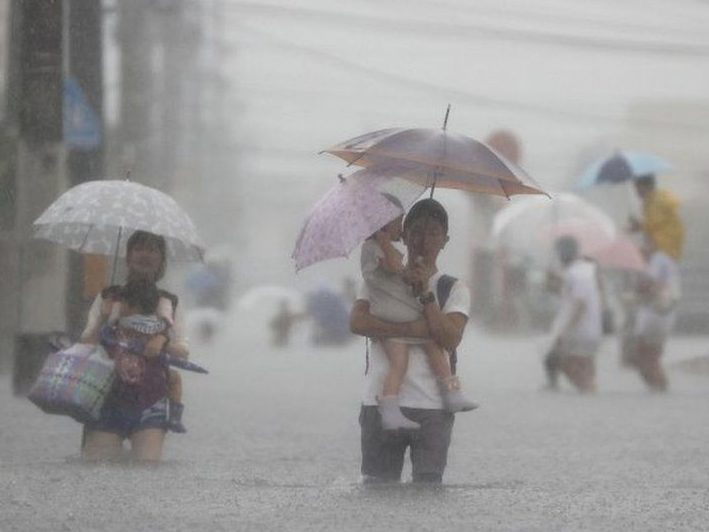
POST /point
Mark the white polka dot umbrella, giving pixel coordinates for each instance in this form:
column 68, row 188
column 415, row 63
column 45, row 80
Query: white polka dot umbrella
column 99, row 217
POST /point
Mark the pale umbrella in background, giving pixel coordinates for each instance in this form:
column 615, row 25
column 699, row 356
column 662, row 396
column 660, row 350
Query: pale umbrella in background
column 527, row 228
column 621, row 254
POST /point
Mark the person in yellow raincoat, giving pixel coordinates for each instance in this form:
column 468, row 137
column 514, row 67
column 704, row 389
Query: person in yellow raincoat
column 661, row 221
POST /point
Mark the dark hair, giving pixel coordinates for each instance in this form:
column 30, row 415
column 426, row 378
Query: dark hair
column 142, row 295
column 567, row 247
column 144, row 237
column 427, row 208
column 646, row 179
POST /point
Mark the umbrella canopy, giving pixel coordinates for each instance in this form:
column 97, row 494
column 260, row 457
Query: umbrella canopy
column 438, row 158
column 99, row 217
column 591, row 236
column 623, row 166
column 528, row 227
column 351, row 211
column 622, row 254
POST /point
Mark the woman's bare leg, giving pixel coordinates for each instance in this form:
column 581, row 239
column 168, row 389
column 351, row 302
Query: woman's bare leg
column 146, row 445
column 100, row 446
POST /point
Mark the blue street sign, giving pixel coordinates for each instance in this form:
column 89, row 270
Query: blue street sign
column 82, row 128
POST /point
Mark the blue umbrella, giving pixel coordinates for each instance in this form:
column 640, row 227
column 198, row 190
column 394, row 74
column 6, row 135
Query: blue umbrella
column 622, row 166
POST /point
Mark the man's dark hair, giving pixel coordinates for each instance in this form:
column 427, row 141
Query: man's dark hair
column 141, row 294
column 427, row 208
column 646, row 179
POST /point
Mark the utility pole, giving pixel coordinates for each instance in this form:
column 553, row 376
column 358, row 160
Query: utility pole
column 136, row 93
column 85, row 160
column 39, row 277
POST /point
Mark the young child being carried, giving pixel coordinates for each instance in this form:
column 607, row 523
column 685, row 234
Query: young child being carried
column 140, row 320
column 392, row 299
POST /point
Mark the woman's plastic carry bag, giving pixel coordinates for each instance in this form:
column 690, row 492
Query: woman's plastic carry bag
column 74, row 382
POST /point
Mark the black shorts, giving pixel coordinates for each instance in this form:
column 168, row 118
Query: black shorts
column 383, row 452
column 125, row 423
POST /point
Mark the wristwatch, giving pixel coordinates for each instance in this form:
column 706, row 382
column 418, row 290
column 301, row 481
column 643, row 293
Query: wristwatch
column 427, row 298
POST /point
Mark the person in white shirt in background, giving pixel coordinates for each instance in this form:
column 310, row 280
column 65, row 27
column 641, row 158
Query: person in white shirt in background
column 577, row 330
column 425, row 235
column 659, row 291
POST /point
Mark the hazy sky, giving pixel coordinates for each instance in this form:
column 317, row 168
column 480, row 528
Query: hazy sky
column 306, row 74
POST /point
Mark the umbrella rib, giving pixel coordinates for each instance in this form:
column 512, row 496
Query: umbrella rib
column 86, row 238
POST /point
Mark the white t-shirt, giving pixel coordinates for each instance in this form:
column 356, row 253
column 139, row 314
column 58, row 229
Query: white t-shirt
column 661, row 267
column 654, row 321
column 419, row 389
column 580, row 282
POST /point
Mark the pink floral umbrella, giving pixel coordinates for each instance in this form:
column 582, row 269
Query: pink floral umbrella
column 349, row 212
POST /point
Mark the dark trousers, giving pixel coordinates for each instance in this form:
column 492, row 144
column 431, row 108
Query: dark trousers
column 383, row 451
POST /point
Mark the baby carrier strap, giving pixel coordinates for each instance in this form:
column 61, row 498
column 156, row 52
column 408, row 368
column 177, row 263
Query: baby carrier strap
column 111, row 292
column 443, row 291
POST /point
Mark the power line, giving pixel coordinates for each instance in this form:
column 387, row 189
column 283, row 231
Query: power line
column 472, row 31
column 545, row 16
column 462, row 96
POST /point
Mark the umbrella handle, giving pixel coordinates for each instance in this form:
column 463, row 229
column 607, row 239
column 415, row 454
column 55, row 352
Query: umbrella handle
column 445, row 120
column 115, row 256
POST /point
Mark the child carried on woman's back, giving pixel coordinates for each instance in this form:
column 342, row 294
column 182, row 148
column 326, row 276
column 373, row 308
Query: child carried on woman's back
column 140, row 320
column 392, row 299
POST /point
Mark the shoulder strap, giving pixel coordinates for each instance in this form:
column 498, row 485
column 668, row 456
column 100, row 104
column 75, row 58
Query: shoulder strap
column 110, row 292
column 443, row 291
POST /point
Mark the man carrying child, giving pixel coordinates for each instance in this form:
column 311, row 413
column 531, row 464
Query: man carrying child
column 445, row 305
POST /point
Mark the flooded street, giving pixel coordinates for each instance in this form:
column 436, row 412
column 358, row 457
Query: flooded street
column 273, row 445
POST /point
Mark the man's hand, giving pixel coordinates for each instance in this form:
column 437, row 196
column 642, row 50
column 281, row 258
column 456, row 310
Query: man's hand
column 419, row 274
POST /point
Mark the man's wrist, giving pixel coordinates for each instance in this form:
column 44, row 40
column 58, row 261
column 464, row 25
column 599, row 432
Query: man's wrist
column 427, row 298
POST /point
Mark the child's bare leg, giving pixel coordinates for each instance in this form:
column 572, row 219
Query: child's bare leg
column 392, row 418
column 438, row 360
column 174, row 396
column 174, row 386
column 453, row 398
column 398, row 355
